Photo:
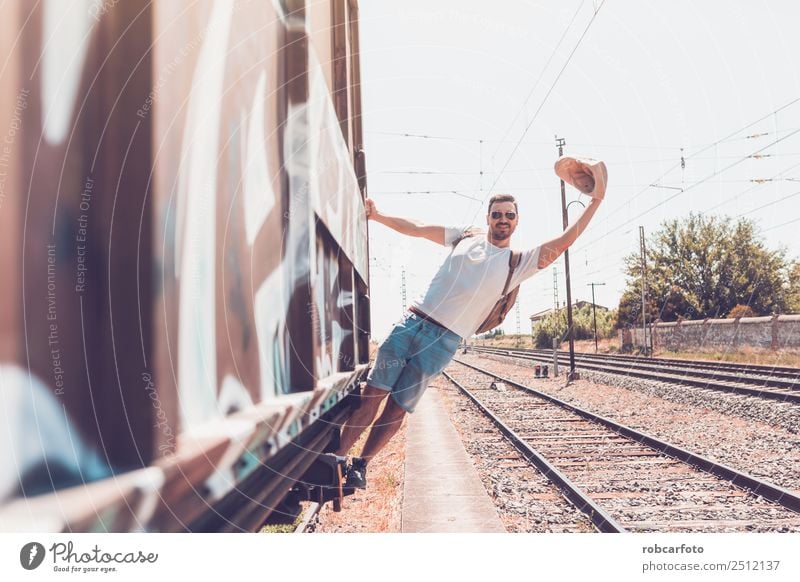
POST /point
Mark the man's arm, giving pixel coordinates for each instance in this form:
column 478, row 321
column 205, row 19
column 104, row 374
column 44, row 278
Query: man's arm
column 407, row 226
column 588, row 176
column 552, row 249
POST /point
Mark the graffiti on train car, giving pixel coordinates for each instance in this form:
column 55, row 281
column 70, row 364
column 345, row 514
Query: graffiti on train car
column 196, row 228
column 194, row 264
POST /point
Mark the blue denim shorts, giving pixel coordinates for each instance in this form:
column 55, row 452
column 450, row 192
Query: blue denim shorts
column 415, row 352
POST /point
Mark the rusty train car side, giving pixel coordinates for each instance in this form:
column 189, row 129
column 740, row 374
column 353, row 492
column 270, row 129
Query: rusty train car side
column 181, row 214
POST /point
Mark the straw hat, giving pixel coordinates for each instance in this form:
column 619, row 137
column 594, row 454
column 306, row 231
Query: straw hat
column 587, row 175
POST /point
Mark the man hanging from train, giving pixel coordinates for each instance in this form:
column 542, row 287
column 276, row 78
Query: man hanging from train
column 472, row 291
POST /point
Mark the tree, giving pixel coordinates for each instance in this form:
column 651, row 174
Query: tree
column 741, row 311
column 492, row 333
column 703, row 266
column 793, row 289
column 554, row 325
column 675, row 306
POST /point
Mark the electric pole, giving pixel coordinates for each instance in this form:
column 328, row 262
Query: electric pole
column 555, row 288
column 643, row 253
column 594, row 313
column 403, row 287
column 572, row 375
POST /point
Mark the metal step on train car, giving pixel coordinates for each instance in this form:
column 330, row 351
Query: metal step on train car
column 184, row 255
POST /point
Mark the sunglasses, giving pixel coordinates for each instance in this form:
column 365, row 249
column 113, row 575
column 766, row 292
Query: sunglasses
column 509, row 215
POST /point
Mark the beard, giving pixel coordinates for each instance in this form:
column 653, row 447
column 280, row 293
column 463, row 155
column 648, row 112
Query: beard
column 500, row 234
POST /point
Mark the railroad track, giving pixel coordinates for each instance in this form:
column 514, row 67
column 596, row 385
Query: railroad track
column 738, row 379
column 621, row 478
column 309, row 515
column 758, row 369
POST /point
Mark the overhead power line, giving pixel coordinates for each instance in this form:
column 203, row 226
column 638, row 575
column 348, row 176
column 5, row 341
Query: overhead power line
column 539, row 78
column 549, row 168
column 704, row 149
column 781, row 224
column 690, row 187
column 547, row 95
column 611, row 257
column 788, row 196
column 755, row 186
column 624, row 146
column 455, row 192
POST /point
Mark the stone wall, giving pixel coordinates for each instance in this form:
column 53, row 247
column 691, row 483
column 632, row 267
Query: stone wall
column 771, row 332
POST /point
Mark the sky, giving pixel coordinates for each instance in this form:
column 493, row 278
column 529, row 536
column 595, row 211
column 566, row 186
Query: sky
column 635, row 83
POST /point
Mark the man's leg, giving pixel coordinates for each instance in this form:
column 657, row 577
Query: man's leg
column 362, row 418
column 381, row 433
column 384, row 429
column 388, row 366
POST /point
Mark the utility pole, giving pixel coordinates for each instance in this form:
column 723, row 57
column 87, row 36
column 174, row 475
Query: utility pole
column 555, row 296
column 643, row 253
column 555, row 288
column 519, row 331
column 594, row 313
column 572, row 375
column 403, row 287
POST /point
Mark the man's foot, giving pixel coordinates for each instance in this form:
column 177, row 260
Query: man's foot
column 357, row 474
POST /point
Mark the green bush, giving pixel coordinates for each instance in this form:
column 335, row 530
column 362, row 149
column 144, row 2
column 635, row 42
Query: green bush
column 554, row 325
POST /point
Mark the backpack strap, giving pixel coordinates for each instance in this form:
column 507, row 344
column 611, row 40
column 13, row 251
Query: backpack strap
column 513, row 263
column 468, row 232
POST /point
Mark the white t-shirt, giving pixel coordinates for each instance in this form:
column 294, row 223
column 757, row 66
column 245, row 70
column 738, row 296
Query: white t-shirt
column 470, row 281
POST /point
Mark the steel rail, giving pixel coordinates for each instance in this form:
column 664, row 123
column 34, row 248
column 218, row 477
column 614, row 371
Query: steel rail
column 585, row 504
column 758, row 369
column 664, row 374
column 769, row 491
column 727, row 375
column 311, row 511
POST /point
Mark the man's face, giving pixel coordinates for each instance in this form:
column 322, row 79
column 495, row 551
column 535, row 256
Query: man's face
column 501, row 225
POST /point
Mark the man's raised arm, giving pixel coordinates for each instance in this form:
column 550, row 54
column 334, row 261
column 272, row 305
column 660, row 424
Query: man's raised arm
column 407, row 226
column 589, row 178
column 553, row 249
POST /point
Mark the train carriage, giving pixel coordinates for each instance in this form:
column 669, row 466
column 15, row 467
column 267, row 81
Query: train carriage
column 185, row 247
